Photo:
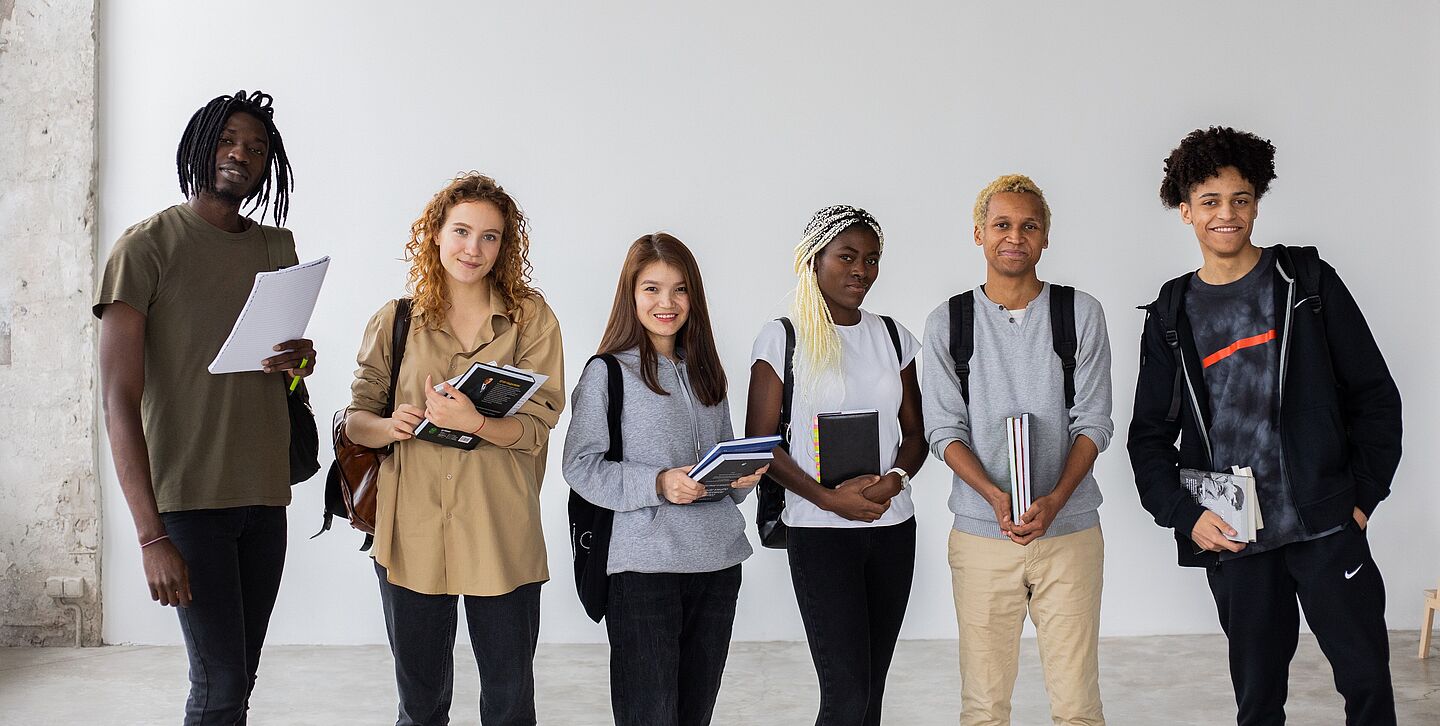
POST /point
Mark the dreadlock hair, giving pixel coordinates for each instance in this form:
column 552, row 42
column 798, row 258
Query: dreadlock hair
column 624, row 330
column 1009, row 183
column 815, row 331
column 511, row 274
column 1203, row 153
column 195, row 157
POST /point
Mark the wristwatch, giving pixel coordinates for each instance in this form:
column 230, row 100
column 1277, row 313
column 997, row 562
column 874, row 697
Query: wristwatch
column 904, row 478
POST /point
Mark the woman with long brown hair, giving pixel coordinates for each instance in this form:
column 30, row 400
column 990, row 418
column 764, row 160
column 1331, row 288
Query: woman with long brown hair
column 453, row 522
column 674, row 562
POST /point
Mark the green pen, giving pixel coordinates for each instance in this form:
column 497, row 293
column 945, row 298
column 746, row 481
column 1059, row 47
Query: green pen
column 296, row 379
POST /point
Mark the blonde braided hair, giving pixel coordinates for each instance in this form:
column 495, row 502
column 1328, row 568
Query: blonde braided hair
column 818, row 341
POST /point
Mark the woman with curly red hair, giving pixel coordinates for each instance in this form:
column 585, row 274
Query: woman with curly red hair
column 451, row 522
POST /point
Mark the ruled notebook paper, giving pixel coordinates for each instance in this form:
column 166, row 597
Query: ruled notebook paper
column 278, row 309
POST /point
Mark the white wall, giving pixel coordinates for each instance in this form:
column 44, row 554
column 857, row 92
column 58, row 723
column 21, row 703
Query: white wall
column 728, row 126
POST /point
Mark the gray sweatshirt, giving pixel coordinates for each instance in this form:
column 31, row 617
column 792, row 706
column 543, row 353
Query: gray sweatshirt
column 1014, row 370
column 658, row 432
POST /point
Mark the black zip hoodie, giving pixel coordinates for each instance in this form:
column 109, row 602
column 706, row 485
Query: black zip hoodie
column 1339, row 409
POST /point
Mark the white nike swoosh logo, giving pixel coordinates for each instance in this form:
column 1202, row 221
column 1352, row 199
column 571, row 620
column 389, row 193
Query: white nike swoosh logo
column 1351, row 573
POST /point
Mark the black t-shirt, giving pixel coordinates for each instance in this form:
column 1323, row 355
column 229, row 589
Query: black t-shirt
column 1235, row 333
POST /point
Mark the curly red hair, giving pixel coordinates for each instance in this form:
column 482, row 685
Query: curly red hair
column 511, row 274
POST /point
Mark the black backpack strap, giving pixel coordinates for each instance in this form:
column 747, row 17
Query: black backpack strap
column 615, row 385
column 399, row 331
column 788, row 393
column 1062, row 335
column 1303, row 263
column 894, row 338
column 1172, row 297
column 962, row 338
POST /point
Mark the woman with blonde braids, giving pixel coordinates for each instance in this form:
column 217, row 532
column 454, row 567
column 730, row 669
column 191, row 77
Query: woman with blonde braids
column 452, row 522
column 851, row 548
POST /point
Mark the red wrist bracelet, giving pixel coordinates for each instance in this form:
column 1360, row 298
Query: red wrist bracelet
column 483, row 421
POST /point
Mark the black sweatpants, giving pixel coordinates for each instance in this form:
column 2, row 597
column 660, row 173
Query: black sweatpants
column 1336, row 581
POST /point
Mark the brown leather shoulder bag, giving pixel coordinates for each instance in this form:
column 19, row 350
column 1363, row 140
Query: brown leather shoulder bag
column 350, row 485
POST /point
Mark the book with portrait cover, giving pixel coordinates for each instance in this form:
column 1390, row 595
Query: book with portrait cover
column 497, row 392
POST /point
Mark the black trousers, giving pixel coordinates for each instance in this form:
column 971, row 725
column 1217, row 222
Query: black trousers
column 852, row 586
column 669, row 637
column 503, row 633
column 1336, row 581
column 234, row 557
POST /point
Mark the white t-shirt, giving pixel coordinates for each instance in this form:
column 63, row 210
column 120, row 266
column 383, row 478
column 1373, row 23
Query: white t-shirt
column 871, row 380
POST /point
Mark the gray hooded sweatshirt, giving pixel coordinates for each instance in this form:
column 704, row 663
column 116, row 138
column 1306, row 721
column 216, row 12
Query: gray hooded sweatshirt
column 658, row 432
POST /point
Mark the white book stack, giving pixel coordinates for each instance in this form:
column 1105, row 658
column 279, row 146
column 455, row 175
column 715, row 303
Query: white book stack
column 1017, row 434
column 1229, row 494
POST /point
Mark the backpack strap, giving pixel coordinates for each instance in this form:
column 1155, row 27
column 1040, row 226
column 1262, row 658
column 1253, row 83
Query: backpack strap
column 615, row 385
column 962, row 338
column 399, row 331
column 894, row 338
column 1062, row 334
column 1172, row 296
column 1304, row 264
column 788, row 394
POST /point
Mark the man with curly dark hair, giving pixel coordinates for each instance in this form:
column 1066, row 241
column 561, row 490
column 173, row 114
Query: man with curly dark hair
column 1262, row 358
column 203, row 460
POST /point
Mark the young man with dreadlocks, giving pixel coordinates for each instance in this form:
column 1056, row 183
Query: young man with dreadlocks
column 851, row 548
column 203, row 460
column 1262, row 358
column 1050, row 562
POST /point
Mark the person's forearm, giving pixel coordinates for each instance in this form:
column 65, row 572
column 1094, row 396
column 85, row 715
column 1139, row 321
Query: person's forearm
column 132, row 465
column 784, row 470
column 499, row 431
column 963, row 462
column 368, row 429
column 1077, row 464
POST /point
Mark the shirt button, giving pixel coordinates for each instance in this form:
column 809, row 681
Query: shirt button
column 449, row 476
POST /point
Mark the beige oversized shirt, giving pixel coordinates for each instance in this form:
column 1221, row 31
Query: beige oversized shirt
column 459, row 522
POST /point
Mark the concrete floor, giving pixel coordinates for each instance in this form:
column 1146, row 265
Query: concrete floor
column 1145, row 681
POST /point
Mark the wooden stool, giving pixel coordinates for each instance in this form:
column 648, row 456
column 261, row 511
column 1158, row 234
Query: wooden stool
column 1432, row 603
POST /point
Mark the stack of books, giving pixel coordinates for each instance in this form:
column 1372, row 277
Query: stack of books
column 1229, row 494
column 1017, row 435
column 731, row 460
column 497, row 391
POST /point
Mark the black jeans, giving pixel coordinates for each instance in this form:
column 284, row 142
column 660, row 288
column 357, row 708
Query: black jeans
column 234, row 558
column 503, row 633
column 1340, row 588
column 852, row 586
column 669, row 636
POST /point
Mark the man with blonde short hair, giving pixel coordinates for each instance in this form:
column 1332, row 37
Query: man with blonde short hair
column 1019, row 345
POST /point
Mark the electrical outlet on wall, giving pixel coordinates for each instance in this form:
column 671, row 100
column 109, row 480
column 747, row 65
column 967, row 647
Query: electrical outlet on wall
column 65, row 587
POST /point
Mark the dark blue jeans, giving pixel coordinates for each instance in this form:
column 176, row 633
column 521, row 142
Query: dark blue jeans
column 669, row 637
column 234, row 558
column 852, row 585
column 503, row 633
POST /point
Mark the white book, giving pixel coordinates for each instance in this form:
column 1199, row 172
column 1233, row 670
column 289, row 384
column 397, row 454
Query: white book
column 1230, row 495
column 1017, row 435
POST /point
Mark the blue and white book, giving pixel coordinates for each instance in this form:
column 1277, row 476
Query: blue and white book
column 731, row 460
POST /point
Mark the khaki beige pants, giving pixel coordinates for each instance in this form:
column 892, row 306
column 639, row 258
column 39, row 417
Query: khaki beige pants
column 1058, row 579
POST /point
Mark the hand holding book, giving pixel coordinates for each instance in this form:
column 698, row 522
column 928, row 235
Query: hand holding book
column 451, row 409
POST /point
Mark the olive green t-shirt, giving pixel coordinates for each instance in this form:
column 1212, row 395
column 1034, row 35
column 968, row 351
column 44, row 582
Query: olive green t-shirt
column 215, row 440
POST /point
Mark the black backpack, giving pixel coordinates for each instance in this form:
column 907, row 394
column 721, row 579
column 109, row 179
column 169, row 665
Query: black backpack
column 770, row 496
column 590, row 525
column 1062, row 335
column 1302, row 262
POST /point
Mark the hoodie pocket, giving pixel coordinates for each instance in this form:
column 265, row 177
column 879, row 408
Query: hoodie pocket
column 1316, row 442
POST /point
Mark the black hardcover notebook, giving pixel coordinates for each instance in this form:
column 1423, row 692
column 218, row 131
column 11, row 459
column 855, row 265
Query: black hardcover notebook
column 848, row 444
